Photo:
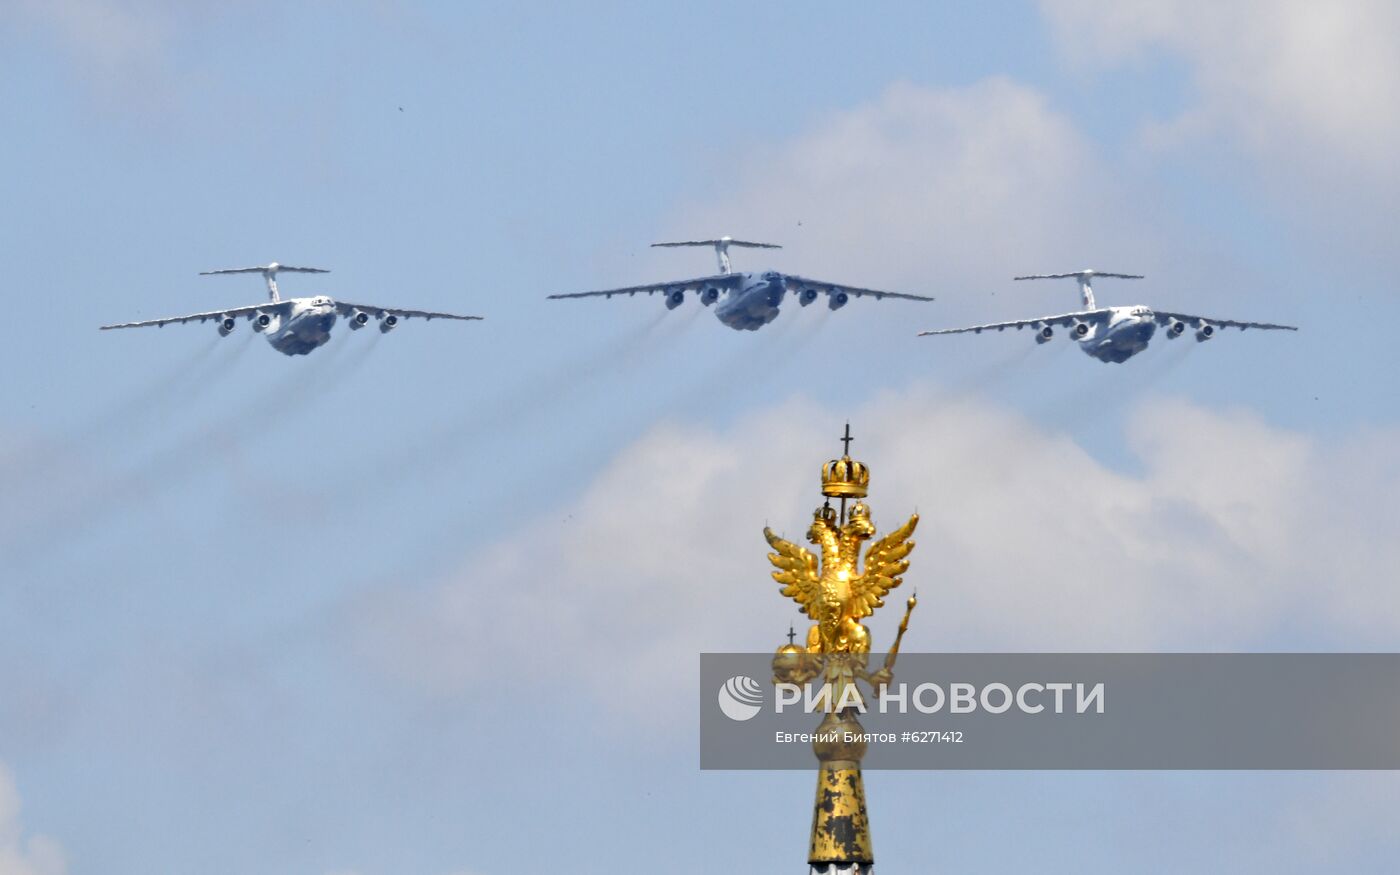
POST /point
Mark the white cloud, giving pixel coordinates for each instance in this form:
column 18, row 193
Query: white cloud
column 118, row 46
column 1304, row 86
column 939, row 190
column 21, row 855
column 1347, row 810
column 1231, row 534
column 136, row 55
column 108, row 32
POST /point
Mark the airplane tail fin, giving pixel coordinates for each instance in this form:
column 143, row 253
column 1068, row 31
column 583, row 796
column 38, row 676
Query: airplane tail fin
column 1086, row 281
column 721, row 247
column 269, row 272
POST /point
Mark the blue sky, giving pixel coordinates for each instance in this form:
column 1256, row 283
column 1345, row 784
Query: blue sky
column 431, row 602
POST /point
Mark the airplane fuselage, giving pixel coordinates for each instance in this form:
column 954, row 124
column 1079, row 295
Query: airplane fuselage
column 754, row 303
column 1125, row 334
column 306, row 326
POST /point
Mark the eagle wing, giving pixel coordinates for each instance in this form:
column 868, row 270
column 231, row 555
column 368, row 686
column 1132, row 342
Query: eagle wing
column 796, row 569
column 884, row 563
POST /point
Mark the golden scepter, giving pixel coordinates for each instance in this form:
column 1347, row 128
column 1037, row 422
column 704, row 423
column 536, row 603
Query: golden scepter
column 903, row 627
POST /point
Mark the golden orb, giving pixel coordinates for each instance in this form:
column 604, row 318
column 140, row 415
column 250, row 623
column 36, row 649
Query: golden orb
column 789, row 664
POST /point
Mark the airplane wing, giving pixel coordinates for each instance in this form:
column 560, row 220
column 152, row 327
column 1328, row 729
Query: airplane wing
column 1064, row 319
column 346, row 309
column 726, row 281
column 797, row 284
column 1195, row 322
column 248, row 311
column 281, row 268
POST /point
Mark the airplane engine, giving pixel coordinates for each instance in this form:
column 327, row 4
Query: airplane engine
column 1080, row 330
column 359, row 319
column 807, row 296
column 387, row 323
column 709, row 295
column 675, row 298
column 837, row 301
column 1205, row 332
column 1044, row 334
column 1176, row 329
column 226, row 326
column 263, row 322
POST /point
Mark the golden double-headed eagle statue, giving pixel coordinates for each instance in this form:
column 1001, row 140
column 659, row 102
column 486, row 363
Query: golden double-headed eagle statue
column 836, row 590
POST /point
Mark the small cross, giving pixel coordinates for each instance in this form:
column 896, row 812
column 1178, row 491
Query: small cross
column 792, row 634
column 846, row 440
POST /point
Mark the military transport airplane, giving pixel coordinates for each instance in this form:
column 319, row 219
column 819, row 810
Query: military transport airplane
column 295, row 326
column 751, row 300
column 1111, row 334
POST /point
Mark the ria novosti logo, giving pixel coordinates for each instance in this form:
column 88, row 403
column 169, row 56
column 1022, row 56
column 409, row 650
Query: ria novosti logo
column 740, row 698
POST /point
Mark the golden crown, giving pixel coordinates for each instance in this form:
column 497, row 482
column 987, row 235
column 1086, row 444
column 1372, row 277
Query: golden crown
column 845, row 478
